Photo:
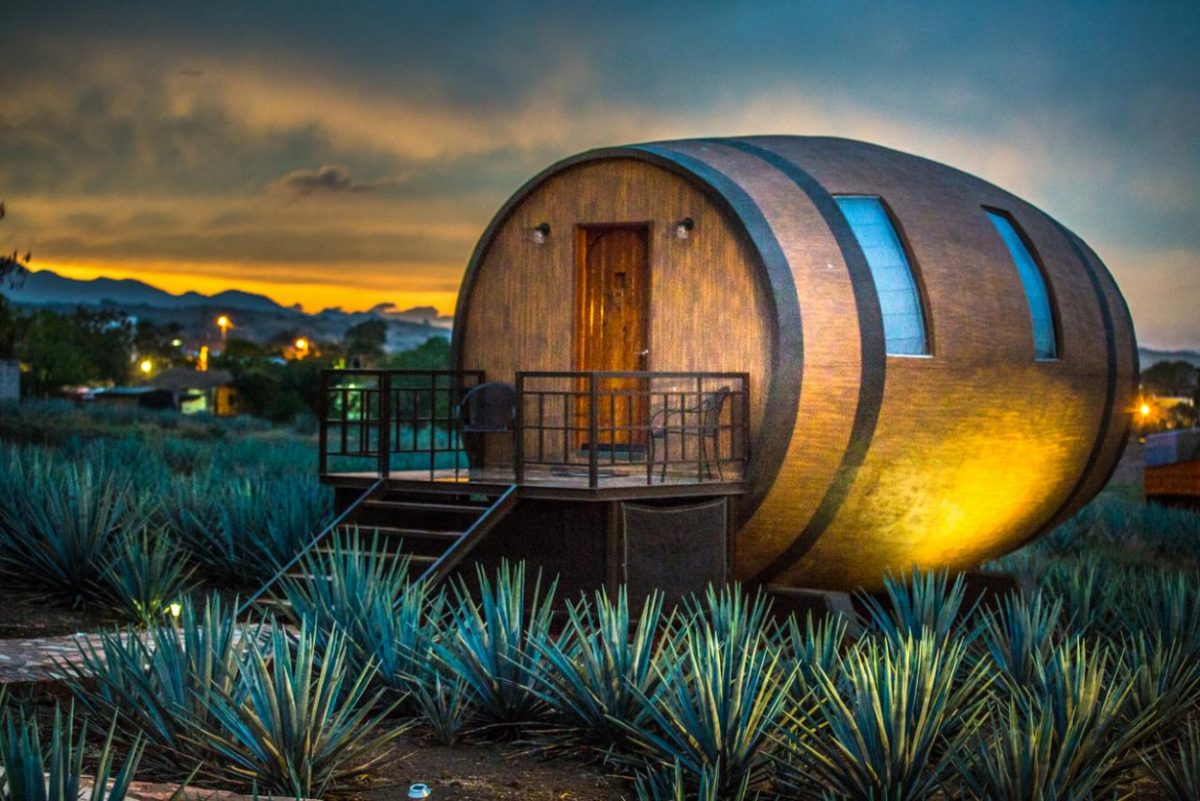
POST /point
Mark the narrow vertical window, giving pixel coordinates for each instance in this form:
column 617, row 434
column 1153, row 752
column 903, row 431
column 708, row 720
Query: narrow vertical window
column 899, row 298
column 1045, row 342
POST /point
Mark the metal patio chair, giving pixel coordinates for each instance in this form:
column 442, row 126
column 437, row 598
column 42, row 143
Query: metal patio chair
column 489, row 408
column 708, row 411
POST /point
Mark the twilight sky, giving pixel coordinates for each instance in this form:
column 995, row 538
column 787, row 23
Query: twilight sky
column 349, row 154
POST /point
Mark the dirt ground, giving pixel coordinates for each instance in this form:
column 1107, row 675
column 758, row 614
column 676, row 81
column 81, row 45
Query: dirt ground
column 487, row 772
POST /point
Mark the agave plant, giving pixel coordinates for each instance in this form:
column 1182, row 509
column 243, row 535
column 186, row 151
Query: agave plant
column 1088, row 587
column 1164, row 679
column 1069, row 738
column 1176, row 768
column 57, row 533
column 241, row 529
column 301, row 721
column 722, row 693
column 891, row 725
column 1019, row 634
column 1165, row 605
column 674, row 785
column 360, row 585
column 917, row 604
column 491, row 644
column 595, row 671
column 815, row 646
column 442, row 705
column 146, row 576
column 29, row 773
column 161, row 683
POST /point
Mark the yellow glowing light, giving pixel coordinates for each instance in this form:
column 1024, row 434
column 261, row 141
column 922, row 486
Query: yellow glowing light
column 146, row 366
column 202, row 364
column 175, row 608
column 1144, row 410
column 224, row 323
column 301, row 344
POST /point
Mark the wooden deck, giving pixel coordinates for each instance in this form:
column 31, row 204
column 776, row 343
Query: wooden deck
column 615, row 483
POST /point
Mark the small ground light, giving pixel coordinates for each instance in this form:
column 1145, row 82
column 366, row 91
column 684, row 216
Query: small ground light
column 419, row 791
column 175, row 609
column 146, row 366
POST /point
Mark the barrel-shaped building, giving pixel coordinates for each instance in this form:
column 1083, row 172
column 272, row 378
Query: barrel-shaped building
column 937, row 370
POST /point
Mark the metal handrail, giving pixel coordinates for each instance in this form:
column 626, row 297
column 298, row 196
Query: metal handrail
column 467, row 541
column 333, row 526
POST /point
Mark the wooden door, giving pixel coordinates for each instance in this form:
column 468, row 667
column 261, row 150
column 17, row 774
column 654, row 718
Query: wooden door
column 612, row 326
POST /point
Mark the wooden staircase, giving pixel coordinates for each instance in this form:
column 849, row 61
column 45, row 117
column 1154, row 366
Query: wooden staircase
column 435, row 526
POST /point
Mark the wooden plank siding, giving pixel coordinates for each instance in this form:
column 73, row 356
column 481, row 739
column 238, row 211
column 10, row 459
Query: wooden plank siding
column 883, row 462
column 708, row 310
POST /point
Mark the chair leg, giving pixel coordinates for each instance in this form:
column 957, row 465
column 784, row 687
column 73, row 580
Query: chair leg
column 650, row 461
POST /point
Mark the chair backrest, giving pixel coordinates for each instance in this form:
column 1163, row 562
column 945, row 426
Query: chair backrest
column 711, row 407
column 489, row 407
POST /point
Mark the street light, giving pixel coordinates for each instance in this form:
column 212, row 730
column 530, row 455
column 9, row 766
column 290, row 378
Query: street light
column 301, row 345
column 224, row 323
column 146, row 366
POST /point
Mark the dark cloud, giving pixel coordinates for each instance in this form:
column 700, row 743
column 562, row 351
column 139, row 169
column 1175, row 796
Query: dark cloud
column 331, row 179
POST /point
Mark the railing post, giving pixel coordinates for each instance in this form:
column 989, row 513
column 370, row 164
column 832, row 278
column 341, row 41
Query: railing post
column 323, row 423
column 519, row 432
column 745, row 427
column 385, row 415
column 593, row 432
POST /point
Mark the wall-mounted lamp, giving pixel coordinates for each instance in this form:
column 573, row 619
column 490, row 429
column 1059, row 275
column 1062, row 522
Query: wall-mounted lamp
column 683, row 228
column 541, row 233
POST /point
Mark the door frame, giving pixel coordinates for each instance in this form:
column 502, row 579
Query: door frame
column 579, row 342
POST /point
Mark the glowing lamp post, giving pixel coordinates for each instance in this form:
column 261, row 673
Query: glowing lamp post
column 146, row 367
column 224, row 323
column 301, row 345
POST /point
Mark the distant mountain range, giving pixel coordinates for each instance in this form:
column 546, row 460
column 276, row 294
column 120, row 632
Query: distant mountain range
column 256, row 317
column 1150, row 357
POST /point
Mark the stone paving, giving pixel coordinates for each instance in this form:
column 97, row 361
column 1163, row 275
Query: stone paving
column 33, row 659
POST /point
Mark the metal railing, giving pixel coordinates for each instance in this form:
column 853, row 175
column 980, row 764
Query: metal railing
column 599, row 425
column 663, row 426
column 378, row 421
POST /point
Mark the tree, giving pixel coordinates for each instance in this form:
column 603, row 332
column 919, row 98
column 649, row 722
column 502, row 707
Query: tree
column 365, row 340
column 432, row 354
column 84, row 347
column 13, row 264
column 1171, row 379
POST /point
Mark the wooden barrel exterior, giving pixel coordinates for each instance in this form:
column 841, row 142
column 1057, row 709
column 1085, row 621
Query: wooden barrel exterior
column 861, row 462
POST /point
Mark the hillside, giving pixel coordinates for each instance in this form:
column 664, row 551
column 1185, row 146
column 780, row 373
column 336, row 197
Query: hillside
column 256, row 317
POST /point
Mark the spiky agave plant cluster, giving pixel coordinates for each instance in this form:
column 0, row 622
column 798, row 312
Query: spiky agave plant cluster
column 108, row 524
column 31, row 770
column 283, row 710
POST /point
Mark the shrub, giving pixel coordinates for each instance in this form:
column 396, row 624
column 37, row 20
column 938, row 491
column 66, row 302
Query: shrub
column 595, row 671
column 58, row 531
column 1020, row 634
column 723, row 690
column 357, row 592
column 1068, row 738
column 491, row 644
column 29, row 773
column 893, row 723
column 1176, row 768
column 161, row 683
column 300, row 721
column 917, row 604
column 145, row 575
